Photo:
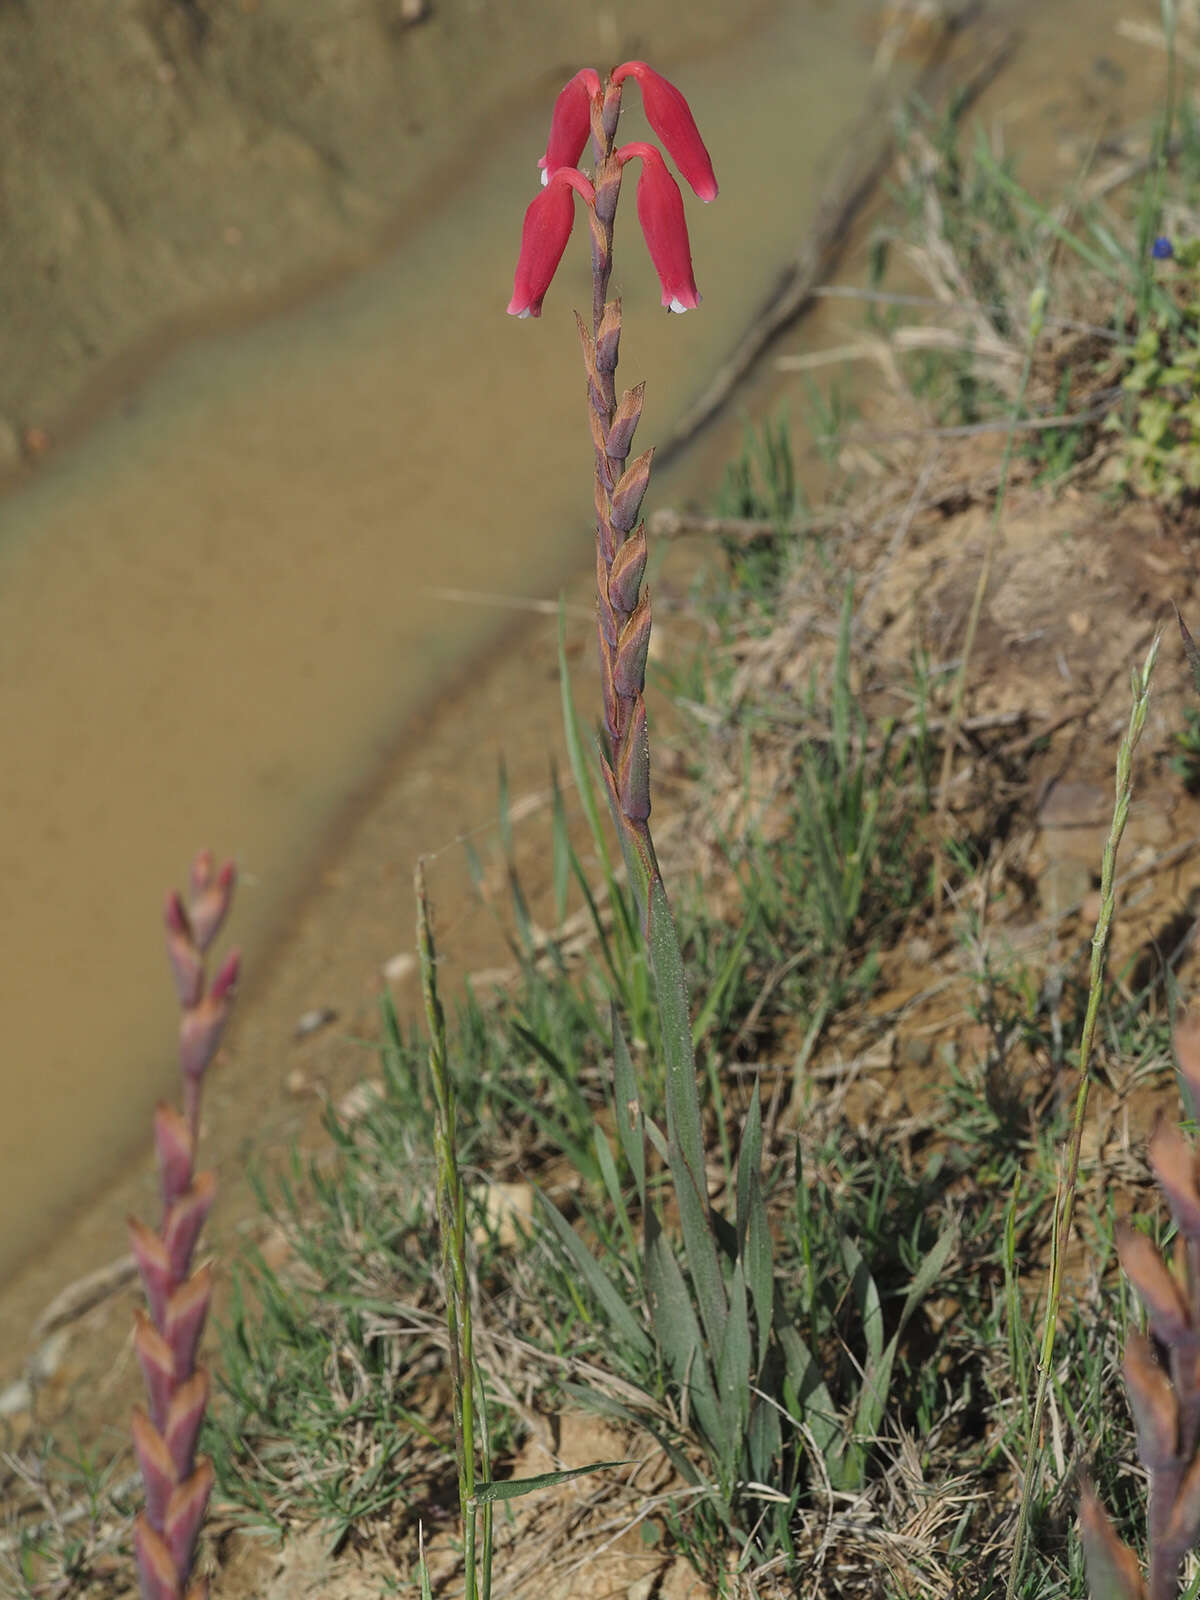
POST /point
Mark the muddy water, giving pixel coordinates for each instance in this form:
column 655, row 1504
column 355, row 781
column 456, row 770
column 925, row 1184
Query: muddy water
column 217, row 612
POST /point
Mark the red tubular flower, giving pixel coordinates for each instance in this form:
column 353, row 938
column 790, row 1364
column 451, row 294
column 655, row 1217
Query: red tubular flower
column 544, row 237
column 660, row 212
column 570, row 124
column 669, row 114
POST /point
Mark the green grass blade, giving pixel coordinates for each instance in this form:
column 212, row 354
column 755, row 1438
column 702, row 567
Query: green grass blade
column 612, row 1183
column 623, row 1322
column 561, row 840
column 515, row 1488
column 872, row 1399
column 715, row 989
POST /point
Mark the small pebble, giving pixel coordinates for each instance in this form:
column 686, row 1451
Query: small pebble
column 313, row 1021
column 399, row 967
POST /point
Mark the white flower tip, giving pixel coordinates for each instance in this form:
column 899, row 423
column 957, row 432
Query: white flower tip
column 678, row 307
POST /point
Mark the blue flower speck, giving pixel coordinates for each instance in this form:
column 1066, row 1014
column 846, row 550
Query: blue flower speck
column 1162, row 249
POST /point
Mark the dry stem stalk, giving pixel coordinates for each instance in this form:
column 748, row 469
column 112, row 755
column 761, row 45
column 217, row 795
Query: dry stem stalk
column 178, row 1483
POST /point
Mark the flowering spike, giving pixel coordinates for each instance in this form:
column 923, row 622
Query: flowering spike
column 669, row 114
column 570, row 123
column 544, row 235
column 660, row 212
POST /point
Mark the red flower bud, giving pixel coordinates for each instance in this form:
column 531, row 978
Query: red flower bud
column 544, row 238
column 669, row 114
column 660, row 212
column 570, row 123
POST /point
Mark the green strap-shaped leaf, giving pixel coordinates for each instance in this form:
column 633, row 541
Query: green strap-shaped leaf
column 764, row 1440
column 677, row 1329
column 865, row 1294
column 628, row 1108
column 685, row 1134
column 514, row 1488
column 758, row 1252
column 624, row 1323
column 699, row 1247
column 810, row 1398
column 749, row 1162
column 734, row 1375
